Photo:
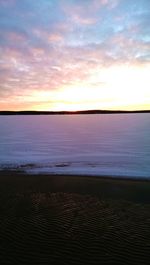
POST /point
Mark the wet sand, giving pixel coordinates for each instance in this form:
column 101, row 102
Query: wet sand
column 47, row 219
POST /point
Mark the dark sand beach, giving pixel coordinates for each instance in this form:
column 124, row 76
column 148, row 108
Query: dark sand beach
column 47, row 219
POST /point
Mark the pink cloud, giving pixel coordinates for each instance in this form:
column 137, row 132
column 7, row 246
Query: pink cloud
column 55, row 37
column 110, row 4
column 15, row 36
column 83, row 20
column 81, row 14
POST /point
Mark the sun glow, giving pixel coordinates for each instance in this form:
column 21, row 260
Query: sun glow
column 119, row 87
column 122, row 86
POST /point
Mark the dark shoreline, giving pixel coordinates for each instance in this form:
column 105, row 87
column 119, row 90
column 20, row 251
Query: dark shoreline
column 19, row 171
column 84, row 112
column 134, row 189
column 75, row 220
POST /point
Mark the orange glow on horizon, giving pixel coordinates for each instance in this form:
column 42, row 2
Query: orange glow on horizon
column 120, row 87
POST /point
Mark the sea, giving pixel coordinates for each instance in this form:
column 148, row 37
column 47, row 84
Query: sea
column 114, row 145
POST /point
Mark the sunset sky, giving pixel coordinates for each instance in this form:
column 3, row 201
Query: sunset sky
column 74, row 54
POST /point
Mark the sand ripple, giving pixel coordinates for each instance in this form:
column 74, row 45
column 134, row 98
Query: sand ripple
column 63, row 228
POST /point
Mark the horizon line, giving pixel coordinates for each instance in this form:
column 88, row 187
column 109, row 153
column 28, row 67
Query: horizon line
column 51, row 112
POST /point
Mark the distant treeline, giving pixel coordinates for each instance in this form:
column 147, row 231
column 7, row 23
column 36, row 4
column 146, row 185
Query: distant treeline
column 30, row 112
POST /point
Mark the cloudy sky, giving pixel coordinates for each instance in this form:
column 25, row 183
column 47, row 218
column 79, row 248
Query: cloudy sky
column 74, row 54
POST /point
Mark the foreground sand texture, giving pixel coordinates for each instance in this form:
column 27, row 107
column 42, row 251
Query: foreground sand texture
column 73, row 220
